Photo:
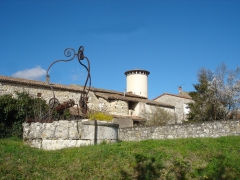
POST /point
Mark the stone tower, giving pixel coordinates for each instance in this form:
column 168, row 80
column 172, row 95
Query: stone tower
column 137, row 82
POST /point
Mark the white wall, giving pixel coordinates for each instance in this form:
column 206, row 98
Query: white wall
column 137, row 84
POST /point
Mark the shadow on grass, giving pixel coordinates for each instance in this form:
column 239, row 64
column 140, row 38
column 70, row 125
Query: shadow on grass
column 145, row 168
column 150, row 169
column 220, row 168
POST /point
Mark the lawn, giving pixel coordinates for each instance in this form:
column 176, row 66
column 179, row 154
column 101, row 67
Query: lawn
column 193, row 158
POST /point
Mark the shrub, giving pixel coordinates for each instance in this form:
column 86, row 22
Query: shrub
column 8, row 114
column 14, row 111
column 157, row 116
column 65, row 115
column 101, row 116
column 8, row 109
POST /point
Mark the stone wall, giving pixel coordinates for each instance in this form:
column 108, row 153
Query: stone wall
column 64, row 93
column 76, row 133
column 46, row 92
column 117, row 107
column 207, row 129
column 65, row 134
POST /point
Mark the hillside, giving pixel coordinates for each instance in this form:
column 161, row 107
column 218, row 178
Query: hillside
column 199, row 158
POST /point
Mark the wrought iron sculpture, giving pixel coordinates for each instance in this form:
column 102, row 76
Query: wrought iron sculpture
column 54, row 102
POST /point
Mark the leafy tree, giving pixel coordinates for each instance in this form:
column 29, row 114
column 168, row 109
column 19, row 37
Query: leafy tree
column 217, row 93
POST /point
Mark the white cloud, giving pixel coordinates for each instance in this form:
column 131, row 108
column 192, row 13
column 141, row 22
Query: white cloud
column 34, row 73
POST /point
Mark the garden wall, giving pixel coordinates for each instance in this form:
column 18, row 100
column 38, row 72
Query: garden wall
column 206, row 129
column 76, row 133
column 64, row 134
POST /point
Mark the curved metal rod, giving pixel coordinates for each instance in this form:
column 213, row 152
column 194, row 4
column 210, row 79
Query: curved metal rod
column 83, row 98
column 67, row 53
column 82, row 57
column 88, row 76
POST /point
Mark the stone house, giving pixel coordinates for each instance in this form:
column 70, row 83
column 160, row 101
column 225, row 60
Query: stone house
column 179, row 101
column 126, row 107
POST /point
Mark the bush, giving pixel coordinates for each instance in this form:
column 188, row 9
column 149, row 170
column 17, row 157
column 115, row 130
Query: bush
column 101, row 116
column 157, row 116
column 65, row 115
column 14, row 111
column 4, row 130
column 8, row 109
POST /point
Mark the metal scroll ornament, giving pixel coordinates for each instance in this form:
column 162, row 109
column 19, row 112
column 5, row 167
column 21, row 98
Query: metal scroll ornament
column 70, row 53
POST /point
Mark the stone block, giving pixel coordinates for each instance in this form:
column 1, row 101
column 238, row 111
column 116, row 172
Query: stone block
column 26, row 130
column 35, row 130
column 99, row 130
column 80, row 142
column 48, row 131
column 73, row 130
column 61, row 131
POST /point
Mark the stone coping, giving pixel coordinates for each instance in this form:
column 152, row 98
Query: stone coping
column 84, row 122
column 100, row 123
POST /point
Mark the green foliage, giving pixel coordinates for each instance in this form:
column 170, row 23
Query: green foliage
column 5, row 131
column 205, row 107
column 40, row 109
column 60, row 116
column 98, row 115
column 24, row 106
column 157, row 117
column 8, row 114
column 8, row 109
column 14, row 111
column 192, row 158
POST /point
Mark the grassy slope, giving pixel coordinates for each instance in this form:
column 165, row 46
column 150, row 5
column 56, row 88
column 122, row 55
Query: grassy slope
column 205, row 158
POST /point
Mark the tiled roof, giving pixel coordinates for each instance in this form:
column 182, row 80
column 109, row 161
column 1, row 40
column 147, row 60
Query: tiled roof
column 106, row 94
column 184, row 95
column 60, row 86
column 38, row 83
column 132, row 99
column 98, row 90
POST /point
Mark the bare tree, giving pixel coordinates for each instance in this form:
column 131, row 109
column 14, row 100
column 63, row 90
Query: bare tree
column 226, row 88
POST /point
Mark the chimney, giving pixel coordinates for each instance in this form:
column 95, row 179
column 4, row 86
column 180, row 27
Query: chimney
column 180, row 89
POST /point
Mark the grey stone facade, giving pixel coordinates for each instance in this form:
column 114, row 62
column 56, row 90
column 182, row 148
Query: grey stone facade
column 118, row 107
column 113, row 102
column 180, row 102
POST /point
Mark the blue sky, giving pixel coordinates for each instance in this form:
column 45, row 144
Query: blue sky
column 172, row 39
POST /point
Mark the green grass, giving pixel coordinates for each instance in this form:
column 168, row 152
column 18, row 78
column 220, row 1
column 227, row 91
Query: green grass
column 200, row 158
